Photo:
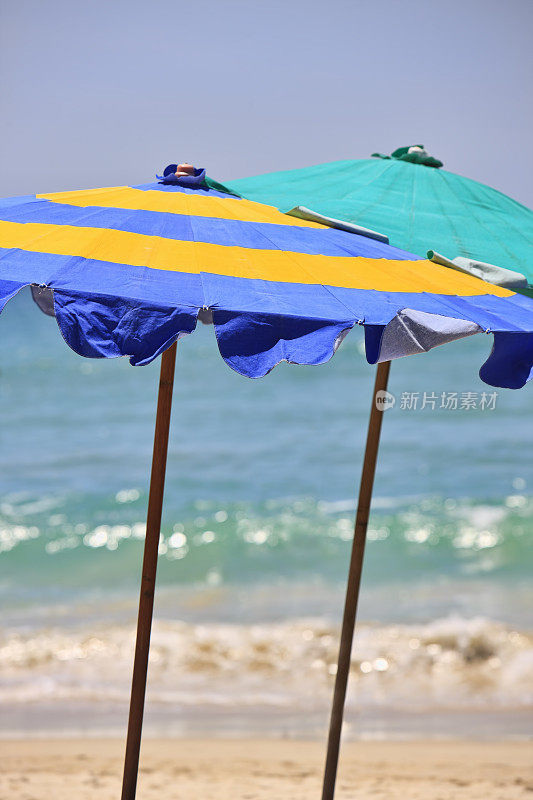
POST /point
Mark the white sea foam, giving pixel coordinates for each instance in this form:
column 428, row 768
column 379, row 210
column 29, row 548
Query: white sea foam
column 451, row 663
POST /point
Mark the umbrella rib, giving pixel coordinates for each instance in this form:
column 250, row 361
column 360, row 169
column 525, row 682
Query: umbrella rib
column 195, row 240
column 363, row 187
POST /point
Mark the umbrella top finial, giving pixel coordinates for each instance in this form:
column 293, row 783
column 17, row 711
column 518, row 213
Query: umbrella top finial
column 414, row 154
column 184, row 174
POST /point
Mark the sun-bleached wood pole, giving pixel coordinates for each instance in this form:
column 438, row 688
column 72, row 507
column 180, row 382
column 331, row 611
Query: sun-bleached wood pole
column 149, row 569
column 354, row 581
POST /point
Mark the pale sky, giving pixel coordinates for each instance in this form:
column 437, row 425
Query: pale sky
column 109, row 91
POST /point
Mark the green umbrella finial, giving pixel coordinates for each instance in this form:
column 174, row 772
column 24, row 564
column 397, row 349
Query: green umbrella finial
column 415, row 154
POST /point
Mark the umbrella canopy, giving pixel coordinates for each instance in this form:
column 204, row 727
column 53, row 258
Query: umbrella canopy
column 417, row 206
column 130, row 268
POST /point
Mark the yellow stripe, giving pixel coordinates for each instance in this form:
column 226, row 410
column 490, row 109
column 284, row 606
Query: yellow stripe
column 178, row 203
column 121, row 247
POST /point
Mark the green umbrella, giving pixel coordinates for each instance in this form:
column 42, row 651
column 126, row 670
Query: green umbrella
column 416, row 204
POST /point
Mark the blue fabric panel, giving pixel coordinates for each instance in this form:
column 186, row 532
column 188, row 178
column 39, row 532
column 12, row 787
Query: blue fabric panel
column 510, row 364
column 252, row 344
column 18, row 200
column 490, row 312
column 224, row 232
column 107, row 327
column 271, row 297
column 487, row 313
column 103, row 277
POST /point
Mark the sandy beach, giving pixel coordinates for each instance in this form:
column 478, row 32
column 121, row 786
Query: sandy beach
column 257, row 770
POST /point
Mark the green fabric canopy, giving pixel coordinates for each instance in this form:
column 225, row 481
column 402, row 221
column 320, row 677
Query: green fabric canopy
column 418, row 207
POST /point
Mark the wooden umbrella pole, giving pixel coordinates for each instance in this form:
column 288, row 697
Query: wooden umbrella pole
column 354, row 582
column 149, row 568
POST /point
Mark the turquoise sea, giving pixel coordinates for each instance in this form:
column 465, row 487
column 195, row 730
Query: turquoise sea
column 259, row 506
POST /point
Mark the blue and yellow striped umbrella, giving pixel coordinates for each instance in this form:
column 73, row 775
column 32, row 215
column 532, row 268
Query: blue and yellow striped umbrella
column 130, row 267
